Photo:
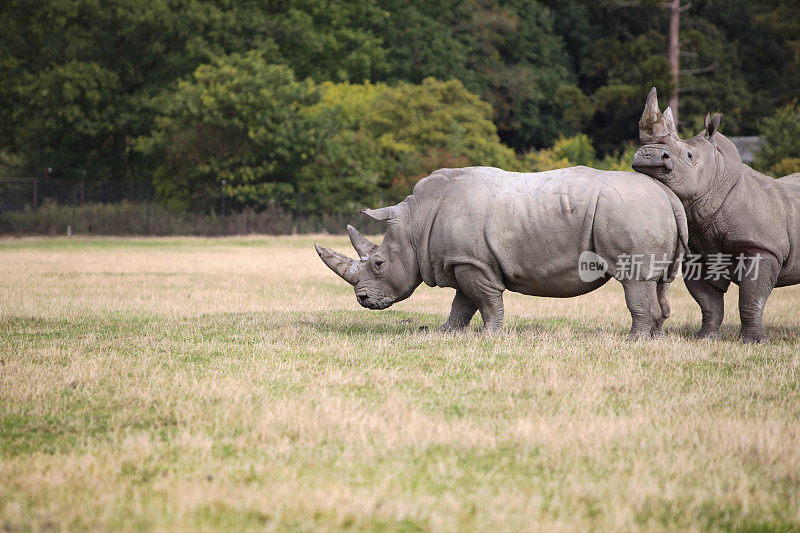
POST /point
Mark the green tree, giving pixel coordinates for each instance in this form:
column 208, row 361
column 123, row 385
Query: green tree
column 330, row 40
column 69, row 114
column 577, row 150
column 239, row 119
column 420, row 128
column 321, row 148
column 503, row 50
column 347, row 172
column 78, row 76
column 619, row 51
column 392, row 136
column 781, row 135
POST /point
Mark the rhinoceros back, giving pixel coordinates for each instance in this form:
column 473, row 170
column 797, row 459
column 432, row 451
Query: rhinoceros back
column 527, row 230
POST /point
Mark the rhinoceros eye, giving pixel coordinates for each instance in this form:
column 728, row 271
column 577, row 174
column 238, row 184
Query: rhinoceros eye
column 689, row 155
column 378, row 263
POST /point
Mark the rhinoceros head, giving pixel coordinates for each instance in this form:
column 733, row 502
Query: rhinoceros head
column 687, row 167
column 383, row 274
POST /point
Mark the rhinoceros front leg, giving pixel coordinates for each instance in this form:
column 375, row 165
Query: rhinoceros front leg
column 643, row 303
column 461, row 313
column 754, row 289
column 712, row 304
column 486, row 294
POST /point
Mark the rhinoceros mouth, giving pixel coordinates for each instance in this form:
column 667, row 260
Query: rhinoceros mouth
column 375, row 306
column 653, row 162
column 375, row 303
column 657, row 173
column 666, row 165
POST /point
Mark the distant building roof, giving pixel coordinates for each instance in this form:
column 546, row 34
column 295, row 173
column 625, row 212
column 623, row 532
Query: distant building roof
column 747, row 146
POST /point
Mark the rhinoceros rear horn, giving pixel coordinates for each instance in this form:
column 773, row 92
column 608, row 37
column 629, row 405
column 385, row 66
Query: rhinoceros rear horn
column 345, row 267
column 363, row 246
column 669, row 122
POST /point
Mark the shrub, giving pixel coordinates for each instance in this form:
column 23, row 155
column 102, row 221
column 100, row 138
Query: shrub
column 574, row 151
column 781, row 135
column 133, row 218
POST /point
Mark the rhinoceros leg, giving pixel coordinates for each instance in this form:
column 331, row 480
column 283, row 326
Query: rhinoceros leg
column 461, row 312
column 753, row 294
column 712, row 304
column 662, row 293
column 486, row 294
column 646, row 313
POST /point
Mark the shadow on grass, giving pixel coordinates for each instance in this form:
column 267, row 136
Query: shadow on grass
column 360, row 323
column 19, row 330
column 730, row 332
column 401, row 323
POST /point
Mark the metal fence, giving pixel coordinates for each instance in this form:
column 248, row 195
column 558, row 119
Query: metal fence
column 52, row 206
column 30, row 192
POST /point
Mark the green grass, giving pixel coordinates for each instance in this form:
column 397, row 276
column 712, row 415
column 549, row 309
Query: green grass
column 234, row 384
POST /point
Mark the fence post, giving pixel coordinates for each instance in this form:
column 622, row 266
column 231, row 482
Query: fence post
column 299, row 211
column 72, row 218
column 48, row 191
column 222, row 203
column 147, row 211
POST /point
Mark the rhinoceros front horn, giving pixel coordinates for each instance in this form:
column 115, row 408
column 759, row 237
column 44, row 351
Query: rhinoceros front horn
column 363, row 246
column 651, row 117
column 341, row 264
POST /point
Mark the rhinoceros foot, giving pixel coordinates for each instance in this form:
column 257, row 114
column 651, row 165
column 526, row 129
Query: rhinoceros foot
column 448, row 327
column 753, row 336
column 639, row 336
column 707, row 335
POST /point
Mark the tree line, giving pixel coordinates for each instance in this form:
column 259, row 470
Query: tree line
column 322, row 106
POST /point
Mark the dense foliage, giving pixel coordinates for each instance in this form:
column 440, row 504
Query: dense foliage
column 318, row 106
column 781, row 135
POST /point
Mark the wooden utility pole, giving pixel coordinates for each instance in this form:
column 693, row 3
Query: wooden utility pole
column 674, row 53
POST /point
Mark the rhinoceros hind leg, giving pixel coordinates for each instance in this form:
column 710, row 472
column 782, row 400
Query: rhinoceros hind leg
column 486, row 294
column 662, row 293
column 753, row 293
column 646, row 313
column 461, row 313
column 712, row 304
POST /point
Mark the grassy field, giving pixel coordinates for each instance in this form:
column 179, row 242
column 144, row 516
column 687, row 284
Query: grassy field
column 235, row 384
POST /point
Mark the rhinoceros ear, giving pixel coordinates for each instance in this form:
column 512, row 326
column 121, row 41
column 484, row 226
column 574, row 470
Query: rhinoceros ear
column 712, row 124
column 386, row 213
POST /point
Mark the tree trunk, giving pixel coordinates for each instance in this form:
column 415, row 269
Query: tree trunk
column 674, row 54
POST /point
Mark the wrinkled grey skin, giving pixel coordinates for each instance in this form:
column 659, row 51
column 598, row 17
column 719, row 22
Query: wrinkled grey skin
column 732, row 209
column 483, row 230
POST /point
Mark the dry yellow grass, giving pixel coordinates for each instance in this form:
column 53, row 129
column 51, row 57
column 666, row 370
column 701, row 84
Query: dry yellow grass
column 235, row 384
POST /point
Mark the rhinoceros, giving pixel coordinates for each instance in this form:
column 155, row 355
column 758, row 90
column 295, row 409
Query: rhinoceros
column 743, row 226
column 483, row 230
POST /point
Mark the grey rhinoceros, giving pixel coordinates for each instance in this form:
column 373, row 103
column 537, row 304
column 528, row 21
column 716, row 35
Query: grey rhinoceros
column 743, row 226
column 483, row 230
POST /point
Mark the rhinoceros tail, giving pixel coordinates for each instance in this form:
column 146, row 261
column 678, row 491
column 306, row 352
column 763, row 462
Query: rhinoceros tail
column 683, row 229
column 683, row 224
